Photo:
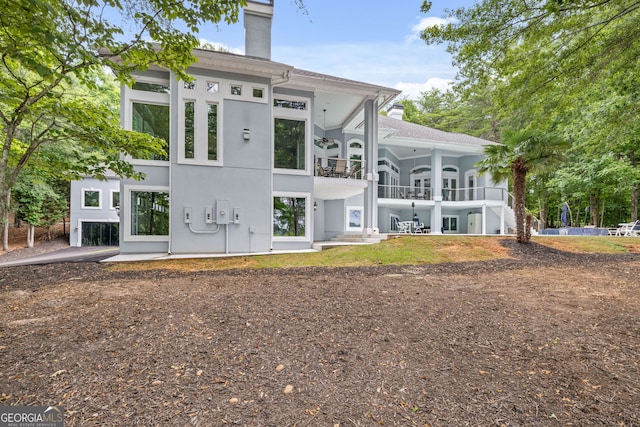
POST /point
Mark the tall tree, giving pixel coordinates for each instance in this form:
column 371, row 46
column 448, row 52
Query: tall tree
column 520, row 153
column 50, row 48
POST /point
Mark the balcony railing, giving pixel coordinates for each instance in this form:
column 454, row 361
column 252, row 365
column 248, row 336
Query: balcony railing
column 331, row 167
column 448, row 195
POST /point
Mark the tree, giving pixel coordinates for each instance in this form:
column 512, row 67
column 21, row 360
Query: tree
column 520, row 153
column 565, row 67
column 51, row 48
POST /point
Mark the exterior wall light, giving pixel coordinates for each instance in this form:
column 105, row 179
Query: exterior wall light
column 246, row 134
column 315, row 206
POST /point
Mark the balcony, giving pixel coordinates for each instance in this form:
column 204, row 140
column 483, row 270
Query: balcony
column 336, row 178
column 331, row 167
column 399, row 192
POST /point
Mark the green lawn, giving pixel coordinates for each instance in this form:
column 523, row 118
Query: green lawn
column 395, row 251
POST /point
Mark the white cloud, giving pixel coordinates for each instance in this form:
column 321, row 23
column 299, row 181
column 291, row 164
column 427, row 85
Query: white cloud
column 413, row 90
column 426, row 22
column 222, row 47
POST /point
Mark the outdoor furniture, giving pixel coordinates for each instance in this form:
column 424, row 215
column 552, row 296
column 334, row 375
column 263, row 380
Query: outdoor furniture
column 404, row 227
column 352, row 170
column 632, row 229
column 341, row 167
column 629, row 229
column 419, row 228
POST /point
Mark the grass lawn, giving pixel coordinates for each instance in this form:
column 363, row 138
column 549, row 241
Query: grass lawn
column 403, row 250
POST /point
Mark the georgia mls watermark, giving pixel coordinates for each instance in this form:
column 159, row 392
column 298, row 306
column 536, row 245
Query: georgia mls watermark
column 31, row 416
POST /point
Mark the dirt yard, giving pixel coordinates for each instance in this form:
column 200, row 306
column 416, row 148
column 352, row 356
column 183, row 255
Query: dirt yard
column 544, row 338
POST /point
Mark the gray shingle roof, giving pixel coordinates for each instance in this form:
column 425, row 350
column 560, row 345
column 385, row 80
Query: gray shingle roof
column 409, row 130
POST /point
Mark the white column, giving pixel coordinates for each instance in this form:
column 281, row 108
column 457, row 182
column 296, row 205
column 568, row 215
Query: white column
column 436, row 191
column 371, row 165
column 484, row 219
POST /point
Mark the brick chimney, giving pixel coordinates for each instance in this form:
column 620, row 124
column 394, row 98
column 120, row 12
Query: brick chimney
column 258, row 16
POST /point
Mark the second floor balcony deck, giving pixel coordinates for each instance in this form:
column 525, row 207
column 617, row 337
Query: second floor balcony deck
column 399, row 192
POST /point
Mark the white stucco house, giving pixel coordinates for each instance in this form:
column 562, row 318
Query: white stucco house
column 263, row 156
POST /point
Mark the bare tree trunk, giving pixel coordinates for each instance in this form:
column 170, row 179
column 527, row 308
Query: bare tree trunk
column 634, row 202
column 4, row 218
column 31, row 231
column 594, row 207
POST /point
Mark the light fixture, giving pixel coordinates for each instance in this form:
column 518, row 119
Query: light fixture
column 246, row 134
column 117, row 208
column 315, row 206
column 413, row 209
column 324, row 142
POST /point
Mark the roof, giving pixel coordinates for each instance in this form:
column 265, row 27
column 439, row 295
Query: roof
column 402, row 129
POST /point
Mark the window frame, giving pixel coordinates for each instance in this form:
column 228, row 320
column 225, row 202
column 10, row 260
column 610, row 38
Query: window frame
column 111, row 193
column 202, row 98
column 82, row 199
column 126, row 218
column 293, row 114
column 132, row 96
column 307, row 217
column 347, row 224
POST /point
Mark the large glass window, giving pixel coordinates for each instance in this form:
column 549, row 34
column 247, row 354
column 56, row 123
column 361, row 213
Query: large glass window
column 152, row 119
column 149, row 213
column 289, row 216
column 289, row 137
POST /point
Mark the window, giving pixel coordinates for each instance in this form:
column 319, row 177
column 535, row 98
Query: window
column 212, row 132
column 149, row 213
column 290, row 216
column 153, row 120
column 91, row 199
column 354, row 218
column 236, row 90
column 189, row 131
column 200, row 123
column 290, row 147
column 190, row 85
column 151, row 87
column 450, row 224
column 258, row 92
column 115, row 199
column 291, row 104
column 213, row 87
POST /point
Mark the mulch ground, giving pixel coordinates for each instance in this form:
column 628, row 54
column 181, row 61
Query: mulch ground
column 542, row 338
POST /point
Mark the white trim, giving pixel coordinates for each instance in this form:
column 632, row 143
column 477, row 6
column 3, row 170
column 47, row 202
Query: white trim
column 111, row 191
column 125, row 212
column 457, row 218
column 471, row 173
column 82, row 201
column 308, row 219
column 347, row 225
column 294, row 114
column 132, row 96
column 82, row 221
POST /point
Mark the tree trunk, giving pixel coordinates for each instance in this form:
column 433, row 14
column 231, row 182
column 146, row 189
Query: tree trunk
column 594, row 208
column 31, row 231
column 634, row 202
column 4, row 216
column 519, row 191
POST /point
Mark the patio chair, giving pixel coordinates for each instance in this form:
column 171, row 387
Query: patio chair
column 403, row 227
column 352, row 170
column 633, row 230
column 341, row 167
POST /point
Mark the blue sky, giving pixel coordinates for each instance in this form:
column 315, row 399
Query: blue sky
column 372, row 41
